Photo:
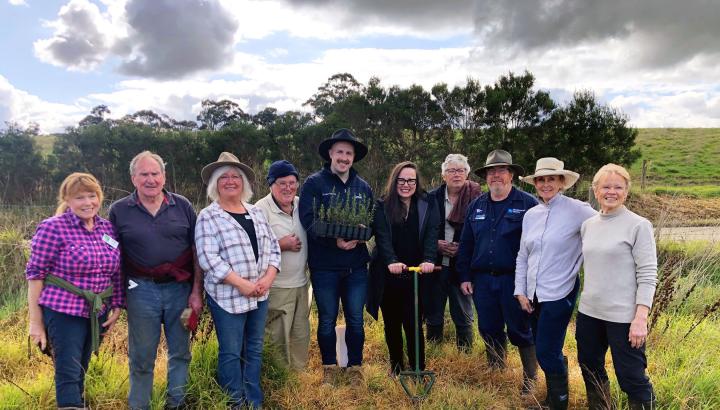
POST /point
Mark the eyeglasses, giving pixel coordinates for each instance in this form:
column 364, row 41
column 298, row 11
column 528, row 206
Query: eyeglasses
column 497, row 170
column 453, row 171
column 225, row 178
column 409, row 182
column 286, row 185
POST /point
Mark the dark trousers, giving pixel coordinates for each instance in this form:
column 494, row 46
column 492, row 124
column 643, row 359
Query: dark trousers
column 71, row 343
column 439, row 290
column 594, row 336
column 398, row 311
column 497, row 308
column 549, row 322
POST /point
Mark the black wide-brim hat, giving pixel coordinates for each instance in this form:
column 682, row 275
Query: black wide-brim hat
column 500, row 158
column 342, row 135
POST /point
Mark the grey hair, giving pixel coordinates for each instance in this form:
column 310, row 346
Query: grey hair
column 145, row 154
column 458, row 158
column 212, row 190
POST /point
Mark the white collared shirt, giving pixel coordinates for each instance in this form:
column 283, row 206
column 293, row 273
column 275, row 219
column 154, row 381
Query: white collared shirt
column 293, row 263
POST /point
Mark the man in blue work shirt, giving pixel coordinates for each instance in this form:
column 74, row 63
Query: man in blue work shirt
column 489, row 245
column 338, row 268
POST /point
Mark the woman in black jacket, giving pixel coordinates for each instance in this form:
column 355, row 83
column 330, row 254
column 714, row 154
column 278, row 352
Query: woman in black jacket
column 406, row 228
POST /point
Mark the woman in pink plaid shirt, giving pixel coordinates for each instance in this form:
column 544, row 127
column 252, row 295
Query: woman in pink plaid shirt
column 73, row 278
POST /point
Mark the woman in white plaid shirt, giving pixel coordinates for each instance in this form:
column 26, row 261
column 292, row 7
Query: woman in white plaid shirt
column 240, row 256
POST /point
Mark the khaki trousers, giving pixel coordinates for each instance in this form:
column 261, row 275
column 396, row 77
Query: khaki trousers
column 288, row 323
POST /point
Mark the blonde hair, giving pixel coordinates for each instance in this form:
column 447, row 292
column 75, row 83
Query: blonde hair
column 74, row 183
column 212, row 190
column 608, row 169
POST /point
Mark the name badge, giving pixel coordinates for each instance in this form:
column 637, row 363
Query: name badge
column 247, row 217
column 110, row 241
column 479, row 215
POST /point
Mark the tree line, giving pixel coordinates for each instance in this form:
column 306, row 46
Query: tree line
column 397, row 123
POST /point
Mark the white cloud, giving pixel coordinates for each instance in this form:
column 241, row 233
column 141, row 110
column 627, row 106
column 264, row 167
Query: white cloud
column 81, row 38
column 23, row 108
column 18, row 3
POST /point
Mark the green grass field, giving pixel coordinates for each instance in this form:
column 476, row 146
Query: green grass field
column 680, row 157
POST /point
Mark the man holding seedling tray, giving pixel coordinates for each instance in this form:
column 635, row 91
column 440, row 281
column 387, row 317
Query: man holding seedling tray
column 338, row 266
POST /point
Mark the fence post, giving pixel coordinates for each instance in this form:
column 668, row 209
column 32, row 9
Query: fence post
column 644, row 174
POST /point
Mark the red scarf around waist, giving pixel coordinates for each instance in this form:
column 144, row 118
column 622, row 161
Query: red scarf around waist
column 181, row 268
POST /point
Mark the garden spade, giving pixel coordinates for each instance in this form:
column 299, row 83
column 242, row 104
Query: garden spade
column 417, row 383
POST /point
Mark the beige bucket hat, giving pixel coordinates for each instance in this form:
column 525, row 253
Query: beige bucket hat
column 552, row 166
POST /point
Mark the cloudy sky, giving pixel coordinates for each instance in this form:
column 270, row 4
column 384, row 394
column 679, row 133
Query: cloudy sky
column 656, row 60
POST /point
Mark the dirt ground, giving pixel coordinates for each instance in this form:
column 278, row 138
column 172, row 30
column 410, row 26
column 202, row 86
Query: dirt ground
column 666, row 211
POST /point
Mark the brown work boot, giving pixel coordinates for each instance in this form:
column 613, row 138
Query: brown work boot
column 330, row 374
column 354, row 375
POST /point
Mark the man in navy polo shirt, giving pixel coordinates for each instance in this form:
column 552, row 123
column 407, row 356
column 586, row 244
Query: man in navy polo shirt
column 156, row 230
column 489, row 245
column 338, row 268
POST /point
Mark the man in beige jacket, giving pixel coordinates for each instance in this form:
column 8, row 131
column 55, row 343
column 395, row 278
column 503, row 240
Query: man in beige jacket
column 288, row 323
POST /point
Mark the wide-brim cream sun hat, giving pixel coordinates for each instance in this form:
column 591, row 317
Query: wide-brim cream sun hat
column 226, row 158
column 552, row 166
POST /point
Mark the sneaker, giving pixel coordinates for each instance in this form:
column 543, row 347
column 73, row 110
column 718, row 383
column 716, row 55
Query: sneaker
column 330, row 374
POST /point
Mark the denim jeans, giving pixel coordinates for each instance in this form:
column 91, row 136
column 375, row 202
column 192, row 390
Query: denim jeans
column 331, row 287
column 593, row 337
column 438, row 290
column 70, row 339
column 240, row 344
column 149, row 306
column 549, row 323
column 497, row 308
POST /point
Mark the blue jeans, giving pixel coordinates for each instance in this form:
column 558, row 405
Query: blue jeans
column 594, row 336
column 437, row 291
column 149, row 306
column 69, row 337
column 240, row 343
column 549, row 323
column 497, row 308
column 331, row 287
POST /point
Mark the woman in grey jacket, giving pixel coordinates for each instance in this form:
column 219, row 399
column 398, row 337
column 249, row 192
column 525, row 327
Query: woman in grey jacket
column 620, row 279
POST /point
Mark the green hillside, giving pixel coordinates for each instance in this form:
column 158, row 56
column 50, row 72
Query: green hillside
column 679, row 156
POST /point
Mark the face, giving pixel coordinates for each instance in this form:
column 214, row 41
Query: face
column 406, row 183
column 455, row 175
column 230, row 185
column 548, row 186
column 149, row 179
column 499, row 180
column 611, row 192
column 342, row 155
column 84, row 204
column 284, row 189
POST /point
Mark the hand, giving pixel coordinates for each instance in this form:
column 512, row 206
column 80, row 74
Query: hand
column 246, row 288
column 290, row 243
column 451, row 249
column 638, row 332
column 262, row 286
column 397, row 268
column 442, row 246
column 38, row 335
column 346, row 245
column 111, row 319
column 195, row 302
column 525, row 303
column 427, row 267
column 466, row 288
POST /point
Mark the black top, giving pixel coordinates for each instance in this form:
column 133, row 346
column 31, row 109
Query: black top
column 406, row 238
column 151, row 240
column 411, row 243
column 247, row 224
